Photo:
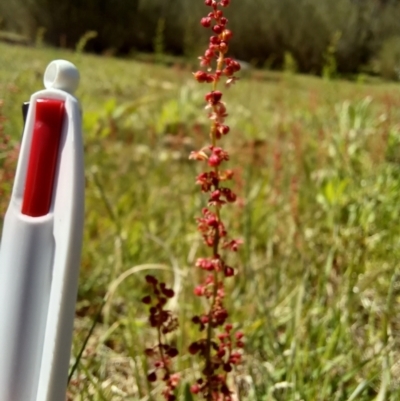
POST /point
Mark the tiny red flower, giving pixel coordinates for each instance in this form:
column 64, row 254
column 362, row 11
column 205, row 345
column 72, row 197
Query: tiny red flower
column 218, row 29
column 215, row 40
column 199, row 290
column 227, row 35
column 200, row 76
column 223, row 47
column 213, row 97
column 228, row 327
column 152, row 377
column 209, row 53
column 228, row 271
column 239, row 335
column 206, row 22
column 223, row 129
column 195, row 389
column 146, row 299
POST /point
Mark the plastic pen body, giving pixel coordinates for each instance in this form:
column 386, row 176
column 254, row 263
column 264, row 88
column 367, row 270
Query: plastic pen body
column 26, row 257
column 24, row 290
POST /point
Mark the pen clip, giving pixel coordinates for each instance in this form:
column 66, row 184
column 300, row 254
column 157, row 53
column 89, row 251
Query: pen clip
column 25, row 109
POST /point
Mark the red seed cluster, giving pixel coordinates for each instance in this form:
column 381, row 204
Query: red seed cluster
column 226, row 356
column 164, row 322
column 218, row 46
column 219, row 348
column 219, row 351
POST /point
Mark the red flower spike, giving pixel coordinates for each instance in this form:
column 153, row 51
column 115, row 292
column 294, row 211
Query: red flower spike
column 215, row 348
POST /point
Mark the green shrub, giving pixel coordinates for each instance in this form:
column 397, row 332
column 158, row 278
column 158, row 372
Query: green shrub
column 388, row 61
column 66, row 21
column 303, row 28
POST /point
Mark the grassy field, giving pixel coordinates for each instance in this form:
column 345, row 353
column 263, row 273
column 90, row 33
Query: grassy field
column 317, row 167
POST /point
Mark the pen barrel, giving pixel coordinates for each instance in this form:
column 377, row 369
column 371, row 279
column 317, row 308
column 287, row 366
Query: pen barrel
column 26, row 257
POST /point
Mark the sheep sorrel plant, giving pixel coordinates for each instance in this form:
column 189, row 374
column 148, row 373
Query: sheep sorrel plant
column 219, row 349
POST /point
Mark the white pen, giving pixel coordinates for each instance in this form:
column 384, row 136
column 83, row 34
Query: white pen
column 41, row 244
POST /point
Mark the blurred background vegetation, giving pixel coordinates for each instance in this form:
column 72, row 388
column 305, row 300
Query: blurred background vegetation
column 317, row 170
column 360, row 36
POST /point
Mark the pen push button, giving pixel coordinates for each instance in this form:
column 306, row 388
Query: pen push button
column 42, row 164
